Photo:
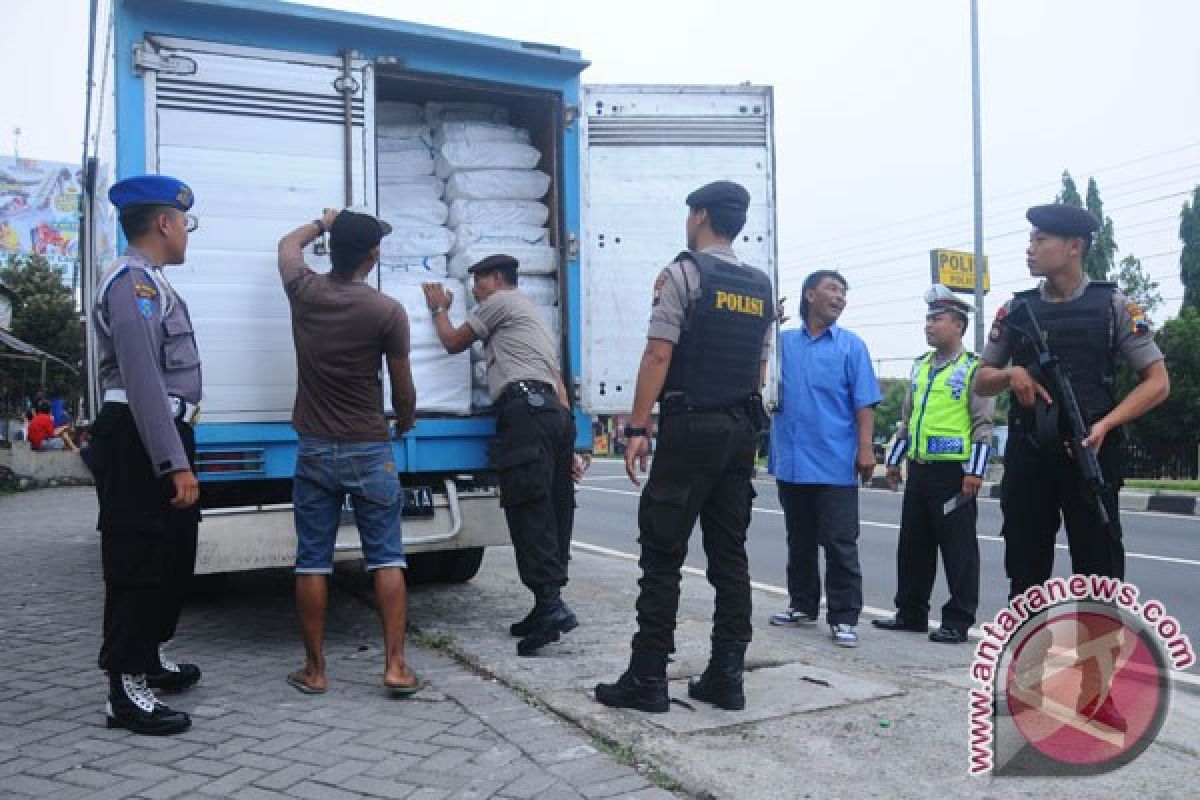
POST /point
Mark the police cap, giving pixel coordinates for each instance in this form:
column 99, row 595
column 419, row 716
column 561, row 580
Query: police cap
column 938, row 299
column 151, row 190
column 1060, row 219
column 497, row 263
column 720, row 195
column 356, row 231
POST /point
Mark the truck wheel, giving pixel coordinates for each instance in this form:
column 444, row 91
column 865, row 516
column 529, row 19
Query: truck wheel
column 459, row 566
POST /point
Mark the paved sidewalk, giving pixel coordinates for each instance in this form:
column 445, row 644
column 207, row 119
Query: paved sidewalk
column 254, row 737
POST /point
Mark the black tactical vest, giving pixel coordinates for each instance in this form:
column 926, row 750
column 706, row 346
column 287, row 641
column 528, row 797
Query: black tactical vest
column 1081, row 334
column 715, row 363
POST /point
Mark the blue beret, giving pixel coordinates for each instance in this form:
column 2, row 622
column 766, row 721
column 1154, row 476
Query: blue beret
column 722, row 195
column 1059, row 219
column 151, row 190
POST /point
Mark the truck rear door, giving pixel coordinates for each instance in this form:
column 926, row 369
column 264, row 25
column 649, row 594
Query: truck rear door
column 259, row 135
column 645, row 148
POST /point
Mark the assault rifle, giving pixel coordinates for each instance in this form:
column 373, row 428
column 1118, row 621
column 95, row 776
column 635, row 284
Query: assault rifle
column 1050, row 372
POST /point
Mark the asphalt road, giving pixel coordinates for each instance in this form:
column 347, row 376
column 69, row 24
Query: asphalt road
column 1162, row 550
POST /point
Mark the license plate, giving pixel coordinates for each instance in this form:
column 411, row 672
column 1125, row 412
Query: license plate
column 418, row 502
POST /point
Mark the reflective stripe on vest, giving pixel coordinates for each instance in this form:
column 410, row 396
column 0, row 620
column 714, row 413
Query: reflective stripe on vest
column 940, row 424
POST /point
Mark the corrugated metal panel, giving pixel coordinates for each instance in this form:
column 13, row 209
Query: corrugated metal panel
column 694, row 131
column 246, row 101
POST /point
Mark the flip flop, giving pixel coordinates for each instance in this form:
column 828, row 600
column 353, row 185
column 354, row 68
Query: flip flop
column 296, row 681
column 405, row 689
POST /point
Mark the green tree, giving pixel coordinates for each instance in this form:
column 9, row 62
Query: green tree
column 1136, row 283
column 1175, row 425
column 887, row 413
column 1069, row 194
column 45, row 315
column 1101, row 258
column 1189, row 259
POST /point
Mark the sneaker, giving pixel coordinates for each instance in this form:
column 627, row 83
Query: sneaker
column 793, row 617
column 844, row 635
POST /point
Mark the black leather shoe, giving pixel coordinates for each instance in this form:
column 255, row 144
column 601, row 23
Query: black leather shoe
column 523, row 626
column 183, row 676
column 899, row 623
column 721, row 684
column 639, row 692
column 547, row 626
column 944, row 635
column 132, row 706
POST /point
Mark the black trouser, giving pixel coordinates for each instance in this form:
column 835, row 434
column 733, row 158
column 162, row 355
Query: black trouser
column 1037, row 487
column 703, row 467
column 924, row 530
column 533, row 456
column 148, row 547
column 825, row 515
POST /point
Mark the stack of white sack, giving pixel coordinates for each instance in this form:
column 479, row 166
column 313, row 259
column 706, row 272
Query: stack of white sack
column 410, row 195
column 480, row 399
column 443, row 381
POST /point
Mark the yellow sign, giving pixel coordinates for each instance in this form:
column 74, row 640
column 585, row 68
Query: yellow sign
column 956, row 270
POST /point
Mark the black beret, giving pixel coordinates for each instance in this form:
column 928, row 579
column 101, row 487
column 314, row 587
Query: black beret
column 722, row 195
column 493, row 264
column 1060, row 219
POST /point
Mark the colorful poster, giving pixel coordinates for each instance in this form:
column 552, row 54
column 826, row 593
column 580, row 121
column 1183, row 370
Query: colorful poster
column 39, row 211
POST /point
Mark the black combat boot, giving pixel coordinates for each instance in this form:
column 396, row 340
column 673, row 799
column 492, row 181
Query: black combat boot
column 172, row 677
column 549, row 619
column 721, row 683
column 643, row 686
column 131, row 705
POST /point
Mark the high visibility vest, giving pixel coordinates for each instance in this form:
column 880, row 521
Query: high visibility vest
column 940, row 425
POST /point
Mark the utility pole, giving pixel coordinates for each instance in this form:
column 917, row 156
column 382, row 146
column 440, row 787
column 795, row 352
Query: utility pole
column 977, row 140
column 16, row 143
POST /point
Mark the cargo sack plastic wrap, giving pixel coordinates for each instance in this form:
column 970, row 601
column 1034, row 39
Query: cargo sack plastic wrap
column 437, row 113
column 497, row 212
column 405, row 162
column 498, row 184
column 479, row 374
column 408, row 137
column 536, row 260
column 477, row 352
column 481, row 399
column 460, row 156
column 399, row 205
column 399, row 114
column 542, row 290
column 467, row 236
column 478, row 132
column 443, row 381
column 429, row 186
column 416, row 240
column 433, row 267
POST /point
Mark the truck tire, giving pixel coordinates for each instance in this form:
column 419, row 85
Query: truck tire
column 448, row 566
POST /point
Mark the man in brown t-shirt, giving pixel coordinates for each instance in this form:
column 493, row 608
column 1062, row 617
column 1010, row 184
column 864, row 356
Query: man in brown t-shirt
column 342, row 328
column 535, row 434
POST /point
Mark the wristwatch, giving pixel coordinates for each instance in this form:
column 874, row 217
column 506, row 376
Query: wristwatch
column 320, row 227
column 631, row 431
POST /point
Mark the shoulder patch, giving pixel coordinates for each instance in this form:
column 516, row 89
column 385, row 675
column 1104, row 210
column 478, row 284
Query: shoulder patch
column 1137, row 317
column 146, row 307
column 658, row 285
column 145, row 290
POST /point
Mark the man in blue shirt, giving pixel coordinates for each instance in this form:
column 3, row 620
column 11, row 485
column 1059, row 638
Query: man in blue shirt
column 820, row 451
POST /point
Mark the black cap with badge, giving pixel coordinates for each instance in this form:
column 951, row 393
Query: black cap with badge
column 1060, row 219
column 720, row 195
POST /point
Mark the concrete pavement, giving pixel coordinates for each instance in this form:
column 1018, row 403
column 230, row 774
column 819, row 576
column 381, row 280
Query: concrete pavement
column 254, row 737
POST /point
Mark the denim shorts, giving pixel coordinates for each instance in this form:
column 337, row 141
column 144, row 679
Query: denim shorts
column 326, row 473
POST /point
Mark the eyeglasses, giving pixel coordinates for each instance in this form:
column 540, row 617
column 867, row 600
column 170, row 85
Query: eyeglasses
column 191, row 222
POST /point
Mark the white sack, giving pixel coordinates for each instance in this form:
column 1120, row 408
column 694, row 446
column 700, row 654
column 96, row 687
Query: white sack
column 497, row 212
column 405, row 162
column 537, row 260
column 400, row 206
column 431, row 267
column 478, row 132
column 436, row 113
column 498, row 184
column 430, row 185
column 417, row 240
column 443, row 381
column 496, row 236
column 458, row 156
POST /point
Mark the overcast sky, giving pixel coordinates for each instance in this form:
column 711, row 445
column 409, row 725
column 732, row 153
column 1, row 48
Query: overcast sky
column 872, row 117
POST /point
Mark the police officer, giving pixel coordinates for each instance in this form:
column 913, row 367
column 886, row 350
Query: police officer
column 143, row 450
column 945, row 431
column 1086, row 325
column 533, row 453
column 704, row 363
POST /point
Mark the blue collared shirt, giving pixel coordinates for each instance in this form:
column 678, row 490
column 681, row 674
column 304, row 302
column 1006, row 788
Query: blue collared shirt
column 824, row 382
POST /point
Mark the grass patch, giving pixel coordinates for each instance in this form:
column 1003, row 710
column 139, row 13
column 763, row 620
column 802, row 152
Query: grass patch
column 1176, row 486
column 624, row 755
column 434, row 640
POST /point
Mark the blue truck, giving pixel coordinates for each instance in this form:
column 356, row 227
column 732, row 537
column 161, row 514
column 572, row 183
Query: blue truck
column 273, row 110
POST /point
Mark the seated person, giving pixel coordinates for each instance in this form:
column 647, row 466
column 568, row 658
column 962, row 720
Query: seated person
column 43, row 435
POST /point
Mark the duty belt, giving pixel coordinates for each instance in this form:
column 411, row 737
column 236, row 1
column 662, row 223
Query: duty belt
column 518, row 390
column 181, row 409
column 678, row 404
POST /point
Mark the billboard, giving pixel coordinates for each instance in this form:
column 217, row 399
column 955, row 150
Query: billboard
column 39, row 211
column 956, row 270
